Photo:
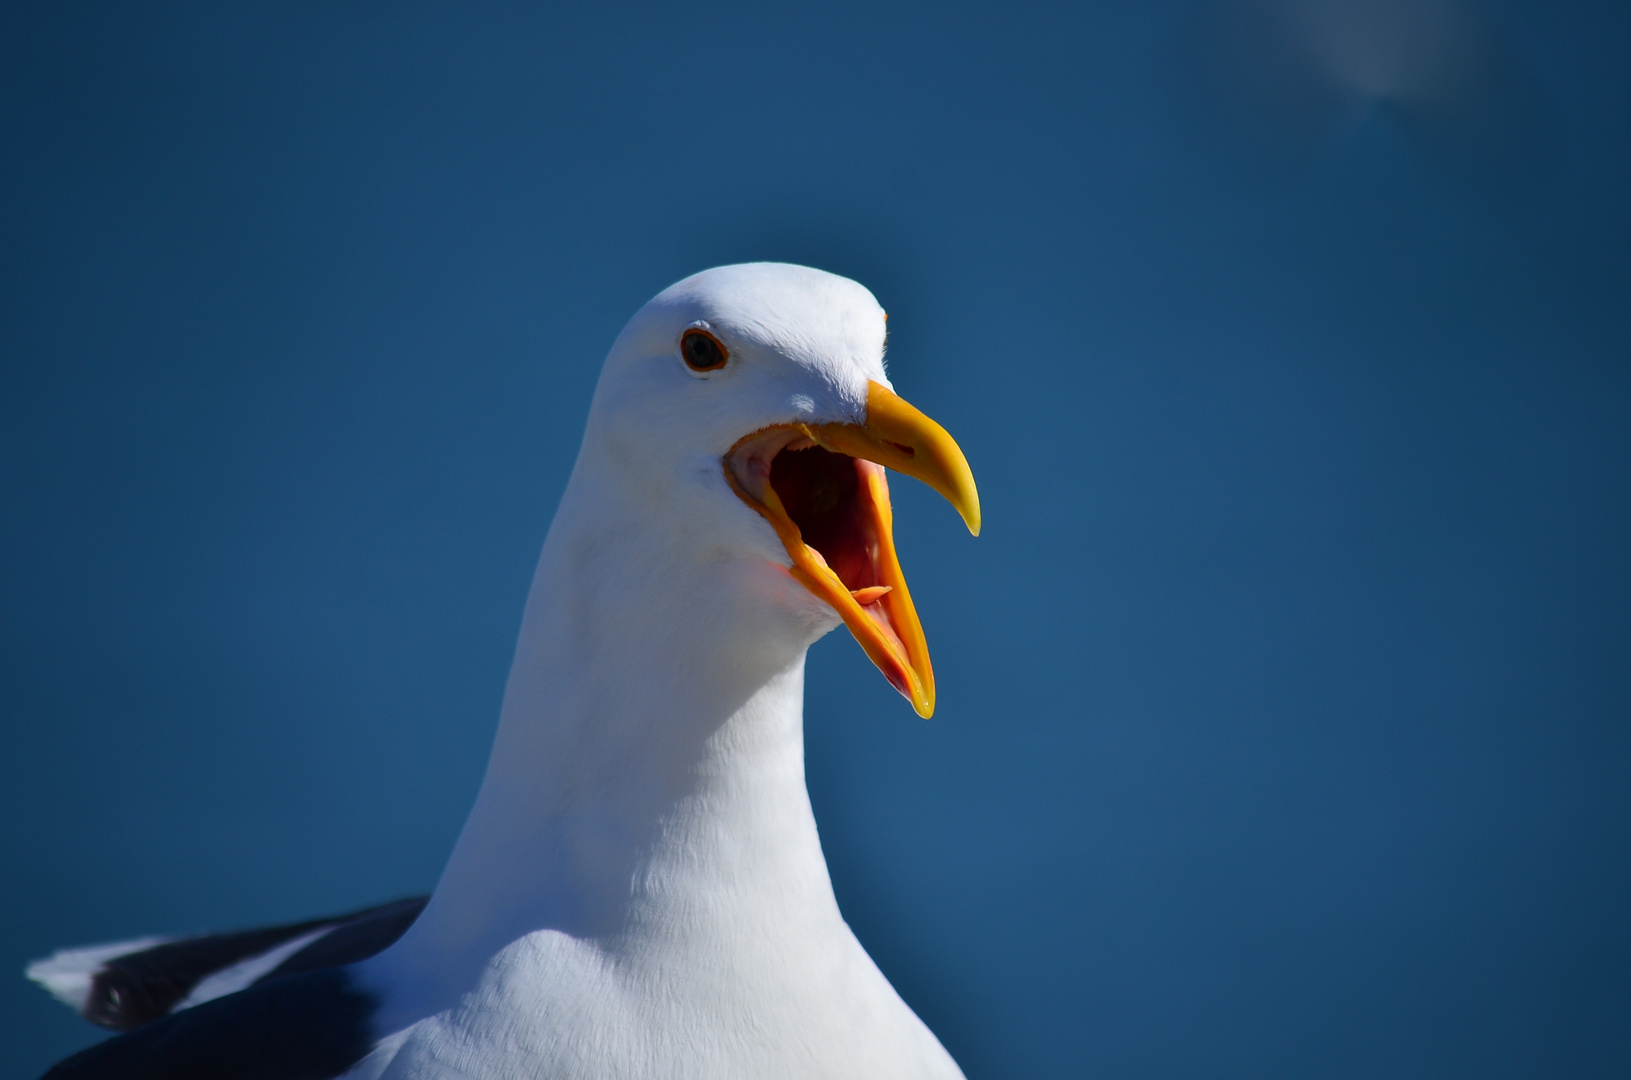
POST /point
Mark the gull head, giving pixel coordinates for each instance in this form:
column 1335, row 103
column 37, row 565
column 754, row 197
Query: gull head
column 748, row 407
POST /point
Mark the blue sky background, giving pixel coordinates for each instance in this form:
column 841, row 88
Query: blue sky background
column 1284, row 702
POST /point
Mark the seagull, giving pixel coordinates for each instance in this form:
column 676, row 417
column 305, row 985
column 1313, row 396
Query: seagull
column 639, row 890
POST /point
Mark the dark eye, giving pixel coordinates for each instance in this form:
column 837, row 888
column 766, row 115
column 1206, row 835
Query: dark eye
column 702, row 351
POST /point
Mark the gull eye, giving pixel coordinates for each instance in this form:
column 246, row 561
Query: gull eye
column 702, row 351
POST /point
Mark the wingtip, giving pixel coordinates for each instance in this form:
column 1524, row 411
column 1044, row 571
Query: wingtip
column 68, row 974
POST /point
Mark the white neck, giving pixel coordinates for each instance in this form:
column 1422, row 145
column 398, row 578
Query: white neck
column 649, row 764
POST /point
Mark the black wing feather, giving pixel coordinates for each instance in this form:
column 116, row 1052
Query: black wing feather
column 312, row 1026
column 141, row 987
column 356, row 939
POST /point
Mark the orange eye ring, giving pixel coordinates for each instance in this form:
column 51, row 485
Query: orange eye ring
column 702, row 351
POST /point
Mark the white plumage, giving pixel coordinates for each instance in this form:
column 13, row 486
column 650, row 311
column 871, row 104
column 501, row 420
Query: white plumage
column 640, row 890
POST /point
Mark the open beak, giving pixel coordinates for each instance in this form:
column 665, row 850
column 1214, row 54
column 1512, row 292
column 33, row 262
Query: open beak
column 823, row 489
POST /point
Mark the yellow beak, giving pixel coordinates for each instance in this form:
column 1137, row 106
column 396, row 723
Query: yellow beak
column 849, row 560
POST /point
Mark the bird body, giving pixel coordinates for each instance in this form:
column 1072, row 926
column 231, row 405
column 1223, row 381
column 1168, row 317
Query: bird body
column 640, row 889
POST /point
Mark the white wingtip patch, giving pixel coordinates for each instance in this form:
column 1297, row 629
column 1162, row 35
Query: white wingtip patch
column 242, row 974
column 67, row 973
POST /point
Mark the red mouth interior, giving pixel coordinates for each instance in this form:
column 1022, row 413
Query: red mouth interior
column 822, row 493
